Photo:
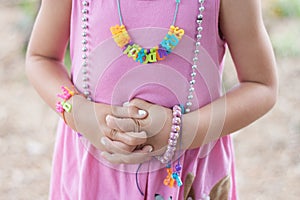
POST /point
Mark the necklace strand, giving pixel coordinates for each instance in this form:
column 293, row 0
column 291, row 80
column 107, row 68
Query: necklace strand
column 138, row 53
column 194, row 67
column 84, row 57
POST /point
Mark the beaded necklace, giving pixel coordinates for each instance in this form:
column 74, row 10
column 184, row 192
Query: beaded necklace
column 142, row 55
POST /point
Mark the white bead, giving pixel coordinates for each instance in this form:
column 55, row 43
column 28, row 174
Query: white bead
column 84, row 71
column 194, row 66
column 189, row 103
column 190, row 97
column 84, row 34
column 193, row 74
column 200, row 29
column 192, row 82
column 198, row 44
column 84, row 41
column 84, row 56
column 84, row 48
column 84, row 11
column 84, row 64
column 86, row 93
column 192, row 89
column 89, row 98
column 199, row 36
column 196, row 51
column 84, row 19
column 201, row 9
column 85, row 78
column 187, row 110
column 195, row 59
column 85, row 3
column 84, row 26
column 85, row 86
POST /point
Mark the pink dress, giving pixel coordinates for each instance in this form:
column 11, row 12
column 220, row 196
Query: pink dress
column 79, row 172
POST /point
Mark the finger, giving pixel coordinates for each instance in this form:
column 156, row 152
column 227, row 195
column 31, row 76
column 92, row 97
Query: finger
column 145, row 149
column 139, row 103
column 133, row 158
column 128, row 112
column 116, row 146
column 129, row 138
column 122, row 124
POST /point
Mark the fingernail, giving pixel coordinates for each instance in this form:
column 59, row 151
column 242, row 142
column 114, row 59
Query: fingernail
column 149, row 148
column 126, row 103
column 142, row 112
column 103, row 141
column 107, row 118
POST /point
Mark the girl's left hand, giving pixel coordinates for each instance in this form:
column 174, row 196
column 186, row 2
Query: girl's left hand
column 157, row 125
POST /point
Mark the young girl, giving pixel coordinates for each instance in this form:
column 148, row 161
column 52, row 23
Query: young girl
column 143, row 115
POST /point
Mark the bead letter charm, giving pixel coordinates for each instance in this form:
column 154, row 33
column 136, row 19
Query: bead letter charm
column 141, row 55
column 173, row 176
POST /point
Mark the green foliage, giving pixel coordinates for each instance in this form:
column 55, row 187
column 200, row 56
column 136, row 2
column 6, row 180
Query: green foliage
column 284, row 8
column 30, row 7
column 67, row 59
column 286, row 40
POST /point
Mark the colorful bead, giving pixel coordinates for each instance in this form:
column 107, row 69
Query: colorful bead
column 120, row 35
column 66, row 106
column 176, row 177
column 178, row 167
column 59, row 107
column 141, row 55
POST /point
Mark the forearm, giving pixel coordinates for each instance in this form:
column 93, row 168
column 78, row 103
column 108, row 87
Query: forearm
column 47, row 76
column 234, row 111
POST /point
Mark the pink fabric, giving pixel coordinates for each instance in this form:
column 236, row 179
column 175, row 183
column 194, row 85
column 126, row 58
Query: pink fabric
column 78, row 170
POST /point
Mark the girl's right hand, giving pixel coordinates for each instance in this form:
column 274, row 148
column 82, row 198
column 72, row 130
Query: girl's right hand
column 89, row 119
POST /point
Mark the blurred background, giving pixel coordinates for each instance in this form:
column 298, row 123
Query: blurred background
column 267, row 152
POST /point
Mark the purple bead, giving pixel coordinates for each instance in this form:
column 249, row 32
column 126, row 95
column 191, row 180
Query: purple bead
column 178, row 167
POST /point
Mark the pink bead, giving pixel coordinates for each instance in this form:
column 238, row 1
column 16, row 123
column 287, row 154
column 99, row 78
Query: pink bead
column 172, row 142
column 175, row 128
column 174, row 135
column 177, row 113
column 64, row 96
column 176, row 107
column 59, row 107
column 176, row 121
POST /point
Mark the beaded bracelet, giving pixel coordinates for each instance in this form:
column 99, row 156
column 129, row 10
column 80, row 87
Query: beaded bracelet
column 174, row 135
column 62, row 106
column 173, row 175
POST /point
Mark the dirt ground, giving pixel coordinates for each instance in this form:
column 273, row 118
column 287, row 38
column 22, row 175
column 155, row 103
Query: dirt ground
column 267, row 152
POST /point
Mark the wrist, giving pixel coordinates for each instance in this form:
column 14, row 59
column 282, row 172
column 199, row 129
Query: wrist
column 78, row 102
